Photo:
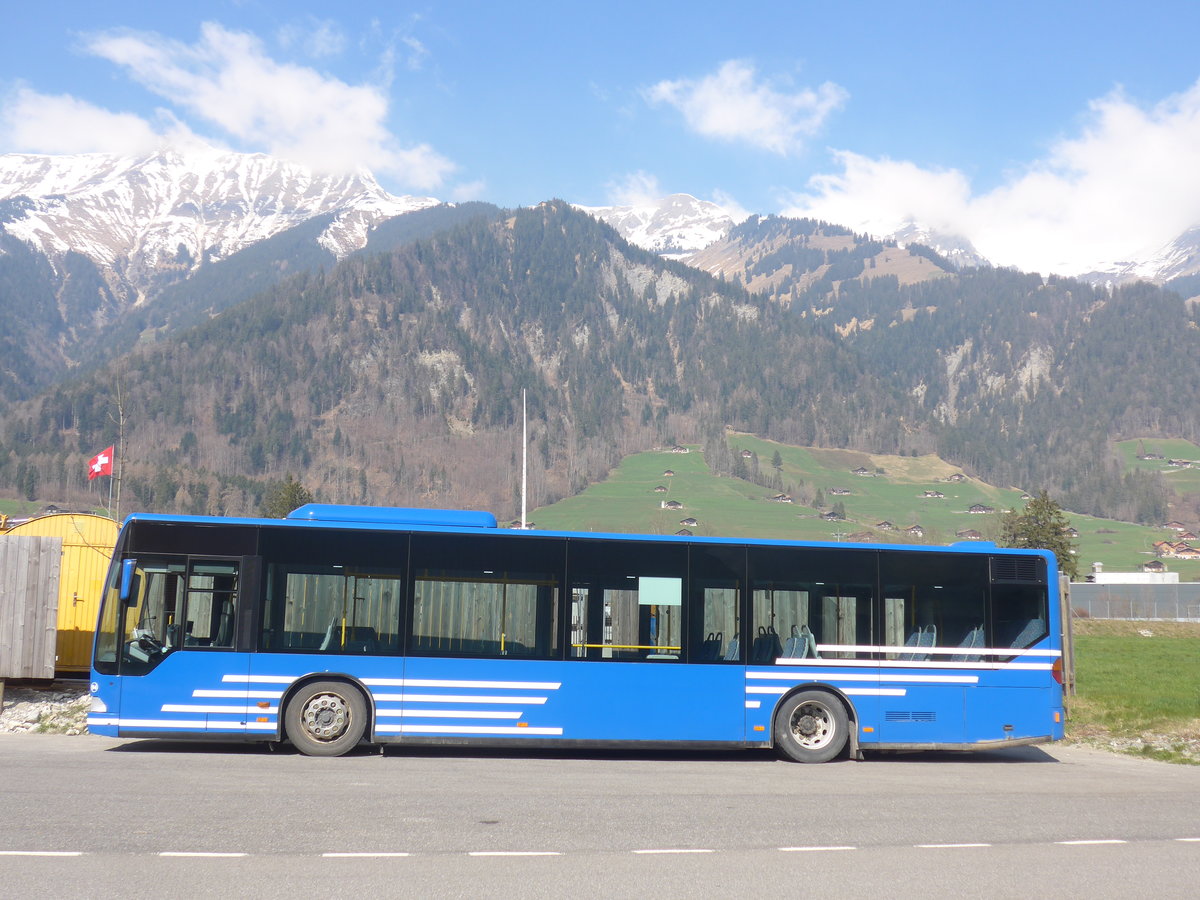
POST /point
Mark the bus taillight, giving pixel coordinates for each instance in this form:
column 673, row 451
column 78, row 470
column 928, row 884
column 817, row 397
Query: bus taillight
column 1056, row 670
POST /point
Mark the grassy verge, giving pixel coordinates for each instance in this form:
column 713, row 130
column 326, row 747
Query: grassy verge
column 1138, row 688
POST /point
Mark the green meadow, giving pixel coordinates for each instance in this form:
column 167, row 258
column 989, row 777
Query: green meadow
column 894, row 492
column 1184, row 481
column 1138, row 687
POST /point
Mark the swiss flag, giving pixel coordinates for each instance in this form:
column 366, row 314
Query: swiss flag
column 101, row 463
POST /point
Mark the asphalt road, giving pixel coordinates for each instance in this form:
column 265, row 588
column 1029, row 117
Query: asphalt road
column 150, row 819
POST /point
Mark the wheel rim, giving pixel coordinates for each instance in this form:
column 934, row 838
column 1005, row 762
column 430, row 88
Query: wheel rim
column 326, row 717
column 812, row 725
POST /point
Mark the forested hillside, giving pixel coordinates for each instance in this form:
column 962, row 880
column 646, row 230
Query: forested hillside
column 395, row 376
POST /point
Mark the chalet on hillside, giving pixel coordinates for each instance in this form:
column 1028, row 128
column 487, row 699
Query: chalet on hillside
column 968, row 534
column 782, row 498
column 747, row 454
column 1187, row 536
column 683, row 532
column 885, row 526
column 933, row 495
column 669, row 473
column 1175, row 526
column 1175, row 550
column 978, row 509
column 862, row 472
column 915, row 531
column 831, row 516
column 678, row 449
column 840, row 492
column 689, row 522
column 660, row 489
column 1154, row 565
column 672, row 504
column 957, row 477
column 1071, row 531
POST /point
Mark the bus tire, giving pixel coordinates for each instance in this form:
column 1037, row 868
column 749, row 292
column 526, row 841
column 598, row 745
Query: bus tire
column 811, row 727
column 326, row 718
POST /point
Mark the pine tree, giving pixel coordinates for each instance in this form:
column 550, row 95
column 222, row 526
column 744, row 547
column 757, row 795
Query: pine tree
column 285, row 497
column 1041, row 526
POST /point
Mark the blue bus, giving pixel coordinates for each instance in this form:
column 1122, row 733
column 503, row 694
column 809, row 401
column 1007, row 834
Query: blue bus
column 341, row 625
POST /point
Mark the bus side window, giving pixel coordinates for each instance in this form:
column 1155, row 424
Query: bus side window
column 1019, row 615
column 211, row 604
column 626, row 601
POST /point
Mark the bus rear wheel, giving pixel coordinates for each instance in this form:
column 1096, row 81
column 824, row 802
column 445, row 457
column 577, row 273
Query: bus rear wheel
column 811, row 727
column 326, row 718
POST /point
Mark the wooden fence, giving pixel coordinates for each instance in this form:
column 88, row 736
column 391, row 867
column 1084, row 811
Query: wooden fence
column 29, row 573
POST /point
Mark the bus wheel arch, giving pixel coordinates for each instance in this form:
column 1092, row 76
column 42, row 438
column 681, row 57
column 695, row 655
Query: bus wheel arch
column 326, row 715
column 814, row 724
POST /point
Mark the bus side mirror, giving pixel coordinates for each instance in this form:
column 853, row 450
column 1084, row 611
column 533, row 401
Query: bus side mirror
column 128, row 592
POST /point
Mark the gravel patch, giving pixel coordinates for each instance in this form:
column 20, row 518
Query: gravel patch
column 56, row 710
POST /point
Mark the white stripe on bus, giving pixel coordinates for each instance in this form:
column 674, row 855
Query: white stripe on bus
column 466, row 729
column 867, row 676
column 911, row 664
column 849, row 691
column 238, row 695
column 449, row 713
column 259, row 679
column 437, row 682
column 973, row 651
column 454, row 698
column 236, row 710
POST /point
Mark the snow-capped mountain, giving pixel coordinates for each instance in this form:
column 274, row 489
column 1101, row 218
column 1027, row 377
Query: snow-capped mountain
column 674, row 226
column 1172, row 260
column 135, row 217
column 955, row 248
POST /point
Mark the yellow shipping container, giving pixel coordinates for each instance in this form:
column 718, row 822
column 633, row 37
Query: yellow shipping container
column 88, row 543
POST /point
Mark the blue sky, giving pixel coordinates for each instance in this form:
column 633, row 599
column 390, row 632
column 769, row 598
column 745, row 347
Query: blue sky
column 1053, row 135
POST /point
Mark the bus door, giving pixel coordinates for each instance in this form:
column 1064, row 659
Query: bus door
column 656, row 632
column 178, row 665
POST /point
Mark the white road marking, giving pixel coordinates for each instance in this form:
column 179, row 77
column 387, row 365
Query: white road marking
column 1084, row 843
column 812, row 849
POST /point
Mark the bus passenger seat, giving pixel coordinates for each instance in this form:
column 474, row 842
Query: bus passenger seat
column 794, row 647
column 973, row 638
column 734, row 650
column 711, row 648
column 925, row 636
column 810, row 642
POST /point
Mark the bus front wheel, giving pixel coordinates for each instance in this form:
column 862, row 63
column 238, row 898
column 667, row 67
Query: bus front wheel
column 326, row 718
column 811, row 727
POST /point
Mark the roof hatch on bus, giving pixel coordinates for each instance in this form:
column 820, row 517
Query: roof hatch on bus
column 393, row 515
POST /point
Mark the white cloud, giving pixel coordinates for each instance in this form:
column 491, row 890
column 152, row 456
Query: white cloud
column 1128, row 183
column 470, row 190
column 635, row 189
column 727, row 202
column 33, row 122
column 732, row 104
column 318, row 37
column 227, row 80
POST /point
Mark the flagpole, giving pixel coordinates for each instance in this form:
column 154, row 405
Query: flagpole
column 524, row 460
